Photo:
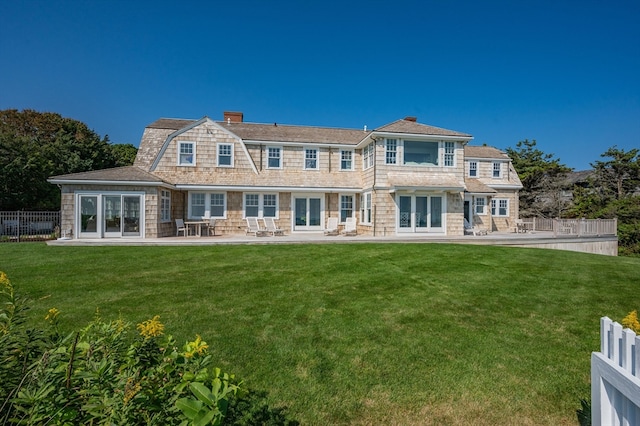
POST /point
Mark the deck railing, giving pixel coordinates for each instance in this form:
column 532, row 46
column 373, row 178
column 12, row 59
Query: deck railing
column 574, row 227
column 20, row 226
column 615, row 376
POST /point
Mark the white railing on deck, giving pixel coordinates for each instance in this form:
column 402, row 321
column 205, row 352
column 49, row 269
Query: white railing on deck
column 615, row 377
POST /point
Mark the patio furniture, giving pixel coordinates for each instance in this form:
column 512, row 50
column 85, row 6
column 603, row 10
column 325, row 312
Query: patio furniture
column 197, row 226
column 180, row 227
column 332, row 226
column 349, row 227
column 254, row 228
column 271, row 227
column 474, row 230
column 211, row 227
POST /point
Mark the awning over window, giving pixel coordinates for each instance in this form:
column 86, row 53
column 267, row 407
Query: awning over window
column 474, row 186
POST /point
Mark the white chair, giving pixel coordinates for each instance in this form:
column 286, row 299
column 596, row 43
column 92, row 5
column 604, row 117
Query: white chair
column 349, row 227
column 254, row 228
column 332, row 226
column 271, row 227
column 473, row 229
column 211, row 227
column 180, row 227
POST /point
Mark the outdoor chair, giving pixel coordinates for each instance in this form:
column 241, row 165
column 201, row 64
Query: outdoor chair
column 332, row 226
column 475, row 230
column 211, row 227
column 349, row 227
column 180, row 227
column 254, row 228
column 271, row 227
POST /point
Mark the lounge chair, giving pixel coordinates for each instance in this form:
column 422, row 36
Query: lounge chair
column 180, row 227
column 332, row 226
column 271, row 227
column 349, row 227
column 468, row 229
column 254, row 228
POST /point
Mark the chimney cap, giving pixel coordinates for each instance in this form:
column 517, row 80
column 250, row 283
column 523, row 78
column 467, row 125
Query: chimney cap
column 411, row 118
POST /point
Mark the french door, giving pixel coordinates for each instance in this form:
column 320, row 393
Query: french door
column 420, row 213
column 308, row 212
column 109, row 215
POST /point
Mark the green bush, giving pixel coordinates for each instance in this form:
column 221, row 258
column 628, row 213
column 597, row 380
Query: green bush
column 102, row 374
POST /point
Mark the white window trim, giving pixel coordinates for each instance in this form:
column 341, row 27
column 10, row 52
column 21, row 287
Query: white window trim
column 207, row 205
column 281, row 157
column 452, row 154
column 495, row 207
column 388, row 151
column 476, row 169
column 483, row 205
column 304, row 160
column 353, row 205
column 439, row 158
column 260, row 204
column 368, row 156
column 363, row 208
column 218, row 146
column 165, row 210
column 193, row 145
column 493, row 169
column 352, row 159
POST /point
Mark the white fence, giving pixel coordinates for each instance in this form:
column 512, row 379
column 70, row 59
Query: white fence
column 19, row 226
column 615, row 377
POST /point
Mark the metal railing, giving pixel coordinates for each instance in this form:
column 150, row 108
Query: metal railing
column 22, row 226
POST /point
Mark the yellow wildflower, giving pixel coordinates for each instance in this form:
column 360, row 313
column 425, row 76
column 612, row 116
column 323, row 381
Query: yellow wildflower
column 130, row 390
column 631, row 321
column 198, row 346
column 5, row 283
column 151, row 328
column 52, row 315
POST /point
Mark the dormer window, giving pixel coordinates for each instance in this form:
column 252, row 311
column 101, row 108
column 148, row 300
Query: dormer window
column 311, row 159
column 225, row 155
column 186, row 154
column 274, row 157
column 497, row 170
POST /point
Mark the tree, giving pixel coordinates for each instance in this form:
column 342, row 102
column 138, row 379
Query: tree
column 619, row 176
column 36, row 145
column 542, row 180
column 124, row 154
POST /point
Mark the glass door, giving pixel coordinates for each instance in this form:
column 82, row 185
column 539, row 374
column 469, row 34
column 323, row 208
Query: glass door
column 131, row 215
column 112, row 217
column 308, row 213
column 404, row 215
column 88, row 216
column 420, row 213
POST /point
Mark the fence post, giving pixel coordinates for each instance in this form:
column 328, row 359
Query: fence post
column 19, row 225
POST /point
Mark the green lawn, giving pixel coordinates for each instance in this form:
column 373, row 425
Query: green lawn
column 361, row 333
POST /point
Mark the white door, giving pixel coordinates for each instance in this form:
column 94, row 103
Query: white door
column 307, row 214
column 420, row 213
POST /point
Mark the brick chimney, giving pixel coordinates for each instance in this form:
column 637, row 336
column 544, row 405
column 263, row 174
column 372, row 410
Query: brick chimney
column 233, row 117
column 414, row 119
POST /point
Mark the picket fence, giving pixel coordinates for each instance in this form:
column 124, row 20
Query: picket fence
column 615, row 377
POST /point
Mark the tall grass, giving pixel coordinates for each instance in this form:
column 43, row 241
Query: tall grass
column 362, row 333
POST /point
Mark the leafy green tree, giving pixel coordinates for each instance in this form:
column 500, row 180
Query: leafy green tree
column 542, row 179
column 36, row 145
column 124, row 154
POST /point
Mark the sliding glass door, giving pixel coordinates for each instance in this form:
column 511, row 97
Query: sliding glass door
column 420, row 213
column 308, row 213
column 109, row 215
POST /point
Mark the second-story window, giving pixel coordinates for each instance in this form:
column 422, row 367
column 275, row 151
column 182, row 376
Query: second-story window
column 346, row 160
column 225, row 155
column 274, row 157
column 449, row 154
column 391, row 151
column 311, row 159
column 497, row 169
column 367, row 156
column 186, row 153
column 473, row 169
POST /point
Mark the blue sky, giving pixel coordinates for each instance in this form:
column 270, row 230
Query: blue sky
column 566, row 73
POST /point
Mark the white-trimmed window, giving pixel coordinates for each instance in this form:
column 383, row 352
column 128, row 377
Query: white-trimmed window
column 217, row 205
column 497, row 169
column 197, row 204
column 225, row 155
column 367, row 156
column 165, row 205
column 311, row 159
column 186, row 153
column 481, row 205
column 207, row 204
column 421, row 153
column 346, row 160
column 346, row 207
column 260, row 205
column 473, row 169
column 449, row 154
column 274, row 157
column 391, row 151
column 500, row 207
column 365, row 208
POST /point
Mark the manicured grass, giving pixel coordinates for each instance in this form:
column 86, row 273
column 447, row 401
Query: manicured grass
column 361, row 333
